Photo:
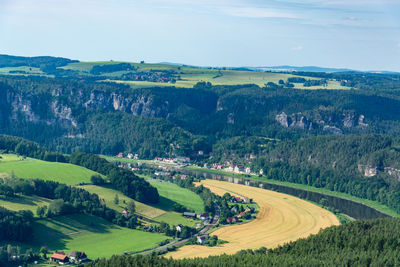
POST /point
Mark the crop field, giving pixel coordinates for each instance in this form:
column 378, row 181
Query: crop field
column 281, row 219
column 33, row 168
column 24, row 203
column 152, row 213
column 192, row 75
column 93, row 235
column 173, row 193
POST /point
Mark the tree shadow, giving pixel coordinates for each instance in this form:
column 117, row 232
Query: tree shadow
column 48, row 232
column 19, row 200
column 165, row 204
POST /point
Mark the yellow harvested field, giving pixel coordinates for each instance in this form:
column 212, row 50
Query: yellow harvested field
column 281, row 218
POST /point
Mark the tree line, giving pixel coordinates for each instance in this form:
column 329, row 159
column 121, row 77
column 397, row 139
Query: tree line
column 123, row 180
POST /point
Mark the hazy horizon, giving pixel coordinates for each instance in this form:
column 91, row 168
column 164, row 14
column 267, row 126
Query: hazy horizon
column 354, row 34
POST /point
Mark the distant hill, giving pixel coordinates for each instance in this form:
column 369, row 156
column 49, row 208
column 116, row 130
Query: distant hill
column 304, row 68
column 38, row 62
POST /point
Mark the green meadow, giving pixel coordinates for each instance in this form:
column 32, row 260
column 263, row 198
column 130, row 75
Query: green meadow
column 93, row 235
column 157, row 213
column 32, row 168
column 24, row 203
column 171, row 193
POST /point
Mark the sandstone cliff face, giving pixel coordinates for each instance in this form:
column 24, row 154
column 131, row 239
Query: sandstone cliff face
column 294, row 121
column 371, row 171
column 327, row 120
column 63, row 114
column 368, row 170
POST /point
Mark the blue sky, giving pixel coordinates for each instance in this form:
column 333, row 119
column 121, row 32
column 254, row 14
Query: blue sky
column 358, row 34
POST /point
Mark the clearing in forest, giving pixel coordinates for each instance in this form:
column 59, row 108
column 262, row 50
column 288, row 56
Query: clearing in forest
column 281, row 218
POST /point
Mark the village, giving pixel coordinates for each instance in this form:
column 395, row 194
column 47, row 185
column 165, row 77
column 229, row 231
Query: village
column 180, row 161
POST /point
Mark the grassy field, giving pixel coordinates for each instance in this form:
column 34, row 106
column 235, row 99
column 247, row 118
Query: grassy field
column 28, row 70
column 93, row 235
column 108, row 194
column 191, row 75
column 33, row 168
column 281, row 219
column 172, row 192
column 234, row 77
column 152, row 213
column 24, row 203
column 373, row 204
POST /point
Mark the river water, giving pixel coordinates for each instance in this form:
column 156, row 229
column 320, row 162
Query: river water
column 351, row 208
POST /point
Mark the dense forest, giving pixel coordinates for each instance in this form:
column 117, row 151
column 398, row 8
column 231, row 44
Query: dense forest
column 107, row 118
column 365, row 166
column 336, row 139
column 15, row 226
column 359, row 243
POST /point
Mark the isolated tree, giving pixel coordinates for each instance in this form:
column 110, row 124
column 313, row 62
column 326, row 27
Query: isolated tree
column 132, row 222
column 131, row 207
column 41, row 211
column 44, row 251
column 116, row 199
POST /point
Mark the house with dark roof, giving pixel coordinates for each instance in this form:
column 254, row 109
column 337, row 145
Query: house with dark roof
column 77, row 256
column 189, row 214
column 204, row 216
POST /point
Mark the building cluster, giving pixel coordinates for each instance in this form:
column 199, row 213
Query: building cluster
column 132, row 167
column 176, row 160
column 73, row 257
column 229, row 167
column 203, row 216
column 128, row 155
column 239, row 211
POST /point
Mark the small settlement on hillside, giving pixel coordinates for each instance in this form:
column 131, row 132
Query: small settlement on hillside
column 74, row 257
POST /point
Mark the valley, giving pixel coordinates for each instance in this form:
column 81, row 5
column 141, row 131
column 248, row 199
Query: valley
column 281, row 218
column 116, row 154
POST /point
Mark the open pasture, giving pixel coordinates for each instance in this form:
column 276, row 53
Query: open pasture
column 21, row 202
column 32, row 168
column 172, row 193
column 281, row 218
column 93, row 235
column 152, row 213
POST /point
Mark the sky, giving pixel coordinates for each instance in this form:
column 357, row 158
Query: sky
column 356, row 34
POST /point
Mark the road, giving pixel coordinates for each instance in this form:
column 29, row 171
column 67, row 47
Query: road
column 177, row 242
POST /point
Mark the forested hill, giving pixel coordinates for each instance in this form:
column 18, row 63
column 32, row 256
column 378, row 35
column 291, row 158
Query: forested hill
column 68, row 115
column 360, row 243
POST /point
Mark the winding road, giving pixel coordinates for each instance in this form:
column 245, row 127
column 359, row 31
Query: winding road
column 177, row 242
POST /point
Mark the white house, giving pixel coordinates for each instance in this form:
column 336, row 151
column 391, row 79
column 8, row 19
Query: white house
column 201, row 240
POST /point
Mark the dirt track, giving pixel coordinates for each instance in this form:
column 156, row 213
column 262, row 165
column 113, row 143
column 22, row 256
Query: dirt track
column 281, row 218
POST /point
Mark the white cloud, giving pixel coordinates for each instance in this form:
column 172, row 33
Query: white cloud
column 254, row 12
column 298, row 48
column 351, row 18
